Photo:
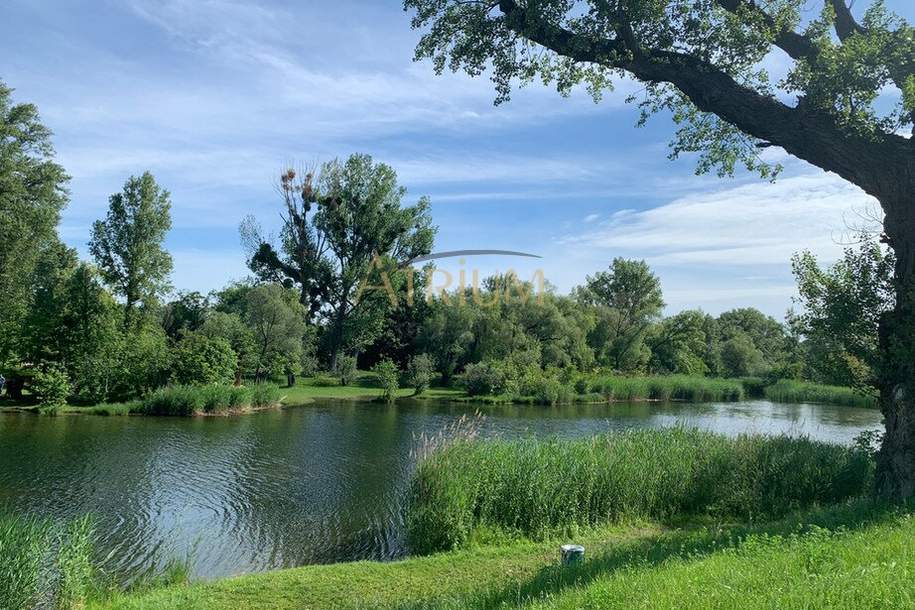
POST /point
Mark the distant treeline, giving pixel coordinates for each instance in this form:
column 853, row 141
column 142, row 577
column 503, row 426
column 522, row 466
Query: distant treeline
column 333, row 290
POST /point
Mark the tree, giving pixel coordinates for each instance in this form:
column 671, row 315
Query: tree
column 231, row 328
column 628, row 299
column 186, row 313
column 200, row 359
column 127, row 245
column 840, row 312
column 276, row 320
column 700, row 61
column 764, row 333
column 388, row 378
column 447, row 336
column 678, row 344
column 420, row 373
column 33, row 191
column 342, row 225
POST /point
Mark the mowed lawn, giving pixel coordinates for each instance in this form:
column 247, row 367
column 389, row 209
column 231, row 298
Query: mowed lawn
column 844, row 558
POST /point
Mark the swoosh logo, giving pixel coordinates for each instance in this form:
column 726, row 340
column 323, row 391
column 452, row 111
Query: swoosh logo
column 454, row 253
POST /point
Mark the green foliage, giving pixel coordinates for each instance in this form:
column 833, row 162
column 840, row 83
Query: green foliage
column 198, row 359
column 388, row 378
column 185, row 314
column 276, row 321
column 840, row 312
column 127, row 245
column 33, row 191
column 346, row 369
column 740, row 358
column 628, row 300
column 51, row 387
column 231, row 327
column 800, row 391
column 669, row 387
column 485, row 378
column 420, row 373
column 534, row 487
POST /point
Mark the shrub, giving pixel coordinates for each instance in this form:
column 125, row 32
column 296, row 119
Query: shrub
column 51, row 387
column 420, row 373
column 387, row 373
column 346, row 369
column 534, row 486
column 323, row 381
column 484, row 378
column 198, row 359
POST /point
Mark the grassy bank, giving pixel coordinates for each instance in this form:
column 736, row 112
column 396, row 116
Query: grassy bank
column 534, row 487
column 802, row 391
column 851, row 557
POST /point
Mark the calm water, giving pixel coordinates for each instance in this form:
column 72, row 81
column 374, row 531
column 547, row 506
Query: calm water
column 308, row 485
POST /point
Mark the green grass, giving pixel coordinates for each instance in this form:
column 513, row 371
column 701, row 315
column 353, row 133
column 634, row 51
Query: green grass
column 851, row 556
column 46, row 566
column 801, row 391
column 691, row 388
column 534, row 487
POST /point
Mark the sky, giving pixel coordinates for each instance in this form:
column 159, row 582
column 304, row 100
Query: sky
column 217, row 97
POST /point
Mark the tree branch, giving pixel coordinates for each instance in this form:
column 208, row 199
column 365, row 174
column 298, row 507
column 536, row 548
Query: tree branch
column 807, row 134
column 846, row 25
column 797, row 46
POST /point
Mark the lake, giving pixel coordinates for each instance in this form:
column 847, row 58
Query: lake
column 314, row 484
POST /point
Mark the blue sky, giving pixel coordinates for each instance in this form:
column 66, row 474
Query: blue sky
column 215, row 97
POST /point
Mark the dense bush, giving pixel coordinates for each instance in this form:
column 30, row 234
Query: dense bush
column 788, row 390
column 669, row 387
column 51, row 387
column 346, row 369
column 533, row 486
column 198, row 359
column 484, row 378
column 420, row 373
column 184, row 400
column 388, row 378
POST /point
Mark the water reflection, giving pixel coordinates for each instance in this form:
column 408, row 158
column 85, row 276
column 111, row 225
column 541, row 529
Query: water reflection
column 309, row 485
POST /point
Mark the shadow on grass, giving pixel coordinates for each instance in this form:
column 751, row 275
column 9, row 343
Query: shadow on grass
column 654, row 550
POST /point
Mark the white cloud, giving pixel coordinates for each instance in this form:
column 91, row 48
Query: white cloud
column 755, row 224
column 591, row 217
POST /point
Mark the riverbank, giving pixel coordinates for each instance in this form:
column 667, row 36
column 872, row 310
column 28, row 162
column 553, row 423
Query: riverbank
column 602, row 389
column 852, row 556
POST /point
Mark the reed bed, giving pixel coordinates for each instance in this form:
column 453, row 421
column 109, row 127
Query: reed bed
column 186, row 400
column 788, row 390
column 667, row 387
column 532, row 487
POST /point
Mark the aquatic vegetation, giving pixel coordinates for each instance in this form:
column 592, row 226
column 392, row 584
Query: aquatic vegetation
column 535, row 486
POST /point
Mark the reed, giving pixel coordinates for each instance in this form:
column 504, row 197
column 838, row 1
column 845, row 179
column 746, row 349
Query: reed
column 532, row 487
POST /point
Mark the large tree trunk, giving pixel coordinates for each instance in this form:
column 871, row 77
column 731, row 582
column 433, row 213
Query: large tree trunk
column 896, row 459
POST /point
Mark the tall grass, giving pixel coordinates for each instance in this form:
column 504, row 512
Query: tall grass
column 185, row 400
column 788, row 390
column 667, row 387
column 532, row 486
column 24, row 543
column 32, row 575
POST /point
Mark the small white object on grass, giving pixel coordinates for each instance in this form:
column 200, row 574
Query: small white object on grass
column 572, row 554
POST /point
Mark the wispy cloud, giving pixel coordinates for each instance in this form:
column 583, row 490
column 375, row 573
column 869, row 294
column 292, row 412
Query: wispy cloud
column 756, row 224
